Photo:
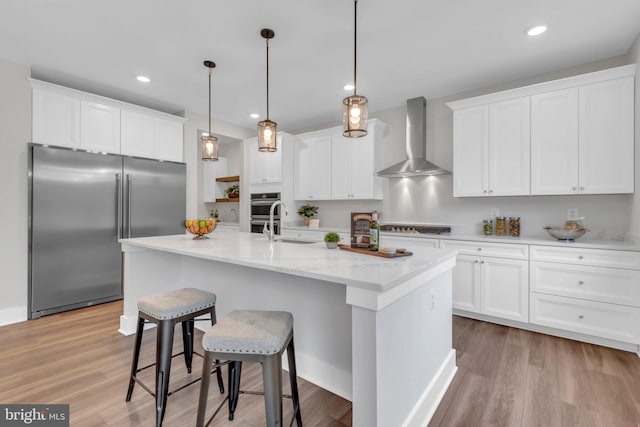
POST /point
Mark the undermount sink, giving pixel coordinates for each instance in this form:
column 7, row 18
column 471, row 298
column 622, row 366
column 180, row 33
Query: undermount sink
column 295, row 241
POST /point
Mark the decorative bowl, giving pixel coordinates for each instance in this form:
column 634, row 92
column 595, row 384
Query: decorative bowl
column 200, row 227
column 566, row 234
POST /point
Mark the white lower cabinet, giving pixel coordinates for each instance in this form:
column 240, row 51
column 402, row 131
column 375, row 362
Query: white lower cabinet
column 588, row 291
column 491, row 279
column 227, row 227
column 302, row 234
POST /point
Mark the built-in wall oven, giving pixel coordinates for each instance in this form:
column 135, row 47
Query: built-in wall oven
column 260, row 208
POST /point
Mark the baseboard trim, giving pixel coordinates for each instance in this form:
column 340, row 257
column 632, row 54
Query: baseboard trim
column 13, row 315
column 129, row 324
column 422, row 413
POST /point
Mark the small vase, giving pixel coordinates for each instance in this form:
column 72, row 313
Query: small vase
column 331, row 245
column 306, row 221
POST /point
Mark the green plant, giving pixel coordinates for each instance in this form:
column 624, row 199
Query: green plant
column 233, row 189
column 331, row 237
column 307, row 210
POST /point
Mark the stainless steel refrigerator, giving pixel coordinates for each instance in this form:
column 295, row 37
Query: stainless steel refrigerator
column 80, row 204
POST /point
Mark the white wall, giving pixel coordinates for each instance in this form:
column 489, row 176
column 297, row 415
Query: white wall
column 634, row 57
column 15, row 133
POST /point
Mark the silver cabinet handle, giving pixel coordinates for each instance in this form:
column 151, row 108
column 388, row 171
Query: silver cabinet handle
column 479, row 249
column 490, row 191
column 477, row 261
column 580, row 257
column 580, row 282
column 574, row 188
column 481, row 262
column 581, row 188
column 485, row 191
column 580, row 316
column 118, row 206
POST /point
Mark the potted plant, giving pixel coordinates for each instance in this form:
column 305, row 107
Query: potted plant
column 331, row 239
column 306, row 211
column 233, row 191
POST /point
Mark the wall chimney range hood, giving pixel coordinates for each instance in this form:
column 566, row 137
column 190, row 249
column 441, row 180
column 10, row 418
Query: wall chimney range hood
column 416, row 164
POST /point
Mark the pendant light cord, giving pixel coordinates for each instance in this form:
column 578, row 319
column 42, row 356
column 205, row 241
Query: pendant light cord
column 210, row 71
column 355, row 45
column 267, row 79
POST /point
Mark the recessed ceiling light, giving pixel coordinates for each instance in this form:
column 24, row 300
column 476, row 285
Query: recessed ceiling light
column 255, row 115
column 348, row 86
column 536, row 30
column 143, row 79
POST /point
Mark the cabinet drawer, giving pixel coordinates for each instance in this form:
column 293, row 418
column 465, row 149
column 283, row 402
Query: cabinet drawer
column 302, row 235
column 599, row 319
column 581, row 256
column 613, row 285
column 501, row 250
column 407, row 242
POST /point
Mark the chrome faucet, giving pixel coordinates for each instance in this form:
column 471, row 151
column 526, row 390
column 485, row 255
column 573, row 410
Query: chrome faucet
column 269, row 231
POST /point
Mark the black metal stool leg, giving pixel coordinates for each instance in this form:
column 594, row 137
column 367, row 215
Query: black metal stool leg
column 218, row 369
column 235, row 368
column 204, row 389
column 272, row 379
column 164, row 344
column 293, row 379
column 136, row 358
column 187, row 342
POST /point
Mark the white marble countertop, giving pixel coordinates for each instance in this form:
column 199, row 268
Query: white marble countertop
column 311, row 260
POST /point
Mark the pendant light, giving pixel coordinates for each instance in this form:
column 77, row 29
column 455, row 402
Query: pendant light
column 354, row 116
column 208, row 141
column 267, row 129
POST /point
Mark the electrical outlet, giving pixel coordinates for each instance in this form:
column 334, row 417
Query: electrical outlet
column 572, row 213
column 494, row 213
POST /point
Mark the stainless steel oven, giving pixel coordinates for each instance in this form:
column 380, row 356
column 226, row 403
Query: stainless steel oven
column 260, row 208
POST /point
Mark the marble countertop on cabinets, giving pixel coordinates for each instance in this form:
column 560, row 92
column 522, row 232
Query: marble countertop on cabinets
column 312, row 260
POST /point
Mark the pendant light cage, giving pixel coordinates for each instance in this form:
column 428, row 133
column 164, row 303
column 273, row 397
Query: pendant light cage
column 355, row 113
column 267, row 129
column 209, row 143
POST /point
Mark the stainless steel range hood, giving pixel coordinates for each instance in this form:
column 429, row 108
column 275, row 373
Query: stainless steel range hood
column 416, row 145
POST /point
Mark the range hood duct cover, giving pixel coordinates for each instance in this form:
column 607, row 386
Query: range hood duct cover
column 416, row 164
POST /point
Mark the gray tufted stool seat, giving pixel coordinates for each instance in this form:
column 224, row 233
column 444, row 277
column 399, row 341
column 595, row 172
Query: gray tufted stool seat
column 166, row 309
column 252, row 336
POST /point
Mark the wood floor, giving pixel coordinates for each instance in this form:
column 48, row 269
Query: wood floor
column 506, row 377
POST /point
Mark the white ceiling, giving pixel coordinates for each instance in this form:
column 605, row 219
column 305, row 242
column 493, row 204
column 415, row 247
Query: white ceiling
column 406, row 48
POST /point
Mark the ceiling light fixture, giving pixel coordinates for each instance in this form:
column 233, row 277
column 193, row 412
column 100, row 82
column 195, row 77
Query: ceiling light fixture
column 354, row 118
column 536, row 30
column 349, row 87
column 254, row 115
column 208, row 141
column 267, row 129
column 143, row 79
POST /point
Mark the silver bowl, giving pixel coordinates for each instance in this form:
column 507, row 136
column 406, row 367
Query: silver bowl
column 564, row 234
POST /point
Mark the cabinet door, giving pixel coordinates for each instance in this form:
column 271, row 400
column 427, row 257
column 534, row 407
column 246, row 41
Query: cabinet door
column 137, row 134
column 265, row 167
column 471, row 151
column 554, row 142
column 169, row 140
column 353, row 163
column 505, row 288
column 606, row 137
column 466, row 283
column 312, row 168
column 509, row 145
column 56, row 119
column 100, row 127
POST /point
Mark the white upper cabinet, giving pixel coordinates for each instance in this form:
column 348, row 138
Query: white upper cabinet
column 606, row 137
column 328, row 166
column 312, row 168
column 264, row 167
column 99, row 127
column 56, row 118
column 554, row 142
column 568, row 136
column 71, row 118
column 491, row 149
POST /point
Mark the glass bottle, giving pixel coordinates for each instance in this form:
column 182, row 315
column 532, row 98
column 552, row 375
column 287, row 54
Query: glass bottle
column 501, row 226
column 374, row 233
column 487, row 227
column 514, row 226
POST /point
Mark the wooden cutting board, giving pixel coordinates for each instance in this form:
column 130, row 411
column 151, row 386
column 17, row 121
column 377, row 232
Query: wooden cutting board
column 374, row 253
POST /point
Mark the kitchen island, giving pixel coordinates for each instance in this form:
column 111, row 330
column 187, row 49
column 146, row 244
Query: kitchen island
column 375, row 331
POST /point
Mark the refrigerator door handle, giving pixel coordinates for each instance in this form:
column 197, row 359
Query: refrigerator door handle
column 118, row 206
column 128, row 206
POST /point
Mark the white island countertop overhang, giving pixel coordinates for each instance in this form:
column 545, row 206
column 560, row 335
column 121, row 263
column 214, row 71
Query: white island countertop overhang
column 374, row 330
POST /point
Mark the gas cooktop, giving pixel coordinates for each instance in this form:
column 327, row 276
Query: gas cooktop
column 415, row 229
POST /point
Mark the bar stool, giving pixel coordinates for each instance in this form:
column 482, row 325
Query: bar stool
column 166, row 310
column 252, row 336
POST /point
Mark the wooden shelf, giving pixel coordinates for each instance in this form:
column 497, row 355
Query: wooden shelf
column 228, row 179
column 236, row 199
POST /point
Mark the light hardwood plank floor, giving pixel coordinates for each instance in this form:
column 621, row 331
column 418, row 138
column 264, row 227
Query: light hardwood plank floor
column 506, row 377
